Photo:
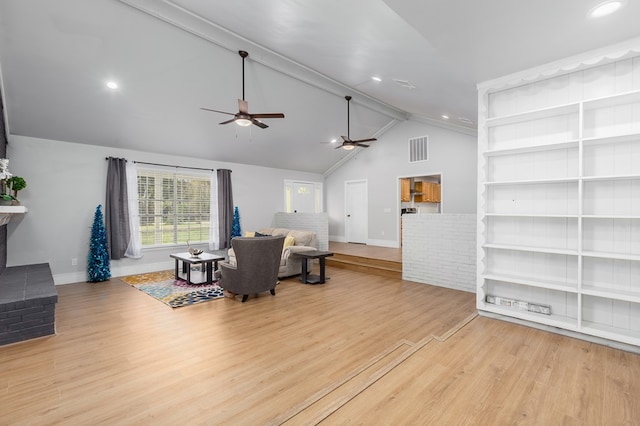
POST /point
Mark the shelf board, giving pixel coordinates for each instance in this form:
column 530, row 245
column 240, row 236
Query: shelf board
column 537, row 114
column 629, row 137
column 624, row 295
column 604, row 216
column 552, row 320
column 618, row 256
column 609, row 178
column 532, row 282
column 532, row 181
column 533, row 215
column 569, row 252
column 612, row 100
column 532, row 148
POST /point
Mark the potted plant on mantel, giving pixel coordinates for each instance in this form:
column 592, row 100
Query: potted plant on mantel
column 8, row 183
column 15, row 184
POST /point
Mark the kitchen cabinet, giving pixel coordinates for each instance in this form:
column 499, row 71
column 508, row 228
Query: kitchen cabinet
column 405, row 190
column 426, row 192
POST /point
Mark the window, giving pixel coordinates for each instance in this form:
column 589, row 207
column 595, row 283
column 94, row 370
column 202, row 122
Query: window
column 174, row 207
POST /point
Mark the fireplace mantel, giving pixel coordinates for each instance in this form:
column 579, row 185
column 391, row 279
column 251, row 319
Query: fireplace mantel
column 7, row 212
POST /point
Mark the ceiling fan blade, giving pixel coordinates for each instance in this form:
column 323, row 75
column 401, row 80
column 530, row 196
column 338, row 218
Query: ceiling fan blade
column 268, row 115
column 215, row 110
column 259, row 123
column 346, row 139
column 243, row 106
column 365, row 140
column 361, row 145
column 228, row 121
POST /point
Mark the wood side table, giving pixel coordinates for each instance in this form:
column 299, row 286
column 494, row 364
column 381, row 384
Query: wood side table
column 206, row 259
column 308, row 278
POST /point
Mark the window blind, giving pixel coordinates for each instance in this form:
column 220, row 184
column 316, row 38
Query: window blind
column 173, row 206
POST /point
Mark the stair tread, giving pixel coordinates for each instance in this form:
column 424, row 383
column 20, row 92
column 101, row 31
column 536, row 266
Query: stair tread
column 363, row 258
column 369, row 265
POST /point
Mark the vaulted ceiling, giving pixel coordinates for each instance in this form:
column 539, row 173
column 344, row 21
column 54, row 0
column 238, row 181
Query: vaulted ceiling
column 170, row 58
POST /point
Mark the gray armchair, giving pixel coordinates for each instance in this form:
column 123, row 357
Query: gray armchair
column 256, row 267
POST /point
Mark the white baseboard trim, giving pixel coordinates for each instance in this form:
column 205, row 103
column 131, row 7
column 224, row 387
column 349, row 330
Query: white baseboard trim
column 116, row 271
column 383, row 243
column 337, row 238
column 378, row 243
column 73, row 277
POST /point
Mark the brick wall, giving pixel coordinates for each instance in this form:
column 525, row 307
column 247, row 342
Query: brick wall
column 28, row 299
column 440, row 249
column 318, row 222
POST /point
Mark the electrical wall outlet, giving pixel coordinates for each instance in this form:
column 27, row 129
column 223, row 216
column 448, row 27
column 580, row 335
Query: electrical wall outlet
column 74, row 261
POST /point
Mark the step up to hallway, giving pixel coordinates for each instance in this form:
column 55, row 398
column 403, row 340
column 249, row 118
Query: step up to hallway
column 380, row 267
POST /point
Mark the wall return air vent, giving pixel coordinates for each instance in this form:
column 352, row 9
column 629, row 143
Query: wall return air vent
column 418, row 149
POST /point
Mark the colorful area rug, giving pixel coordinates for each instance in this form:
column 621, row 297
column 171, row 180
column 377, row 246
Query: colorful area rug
column 175, row 293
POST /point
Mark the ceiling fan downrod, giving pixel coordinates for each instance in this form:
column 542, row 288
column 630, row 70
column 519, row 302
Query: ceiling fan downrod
column 243, row 54
column 348, row 98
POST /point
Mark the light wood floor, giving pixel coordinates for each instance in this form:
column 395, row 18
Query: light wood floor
column 359, row 349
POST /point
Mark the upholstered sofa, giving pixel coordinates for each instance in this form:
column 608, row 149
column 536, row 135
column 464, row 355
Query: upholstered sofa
column 296, row 241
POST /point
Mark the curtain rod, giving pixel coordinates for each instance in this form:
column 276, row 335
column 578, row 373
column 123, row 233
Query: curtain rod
column 167, row 165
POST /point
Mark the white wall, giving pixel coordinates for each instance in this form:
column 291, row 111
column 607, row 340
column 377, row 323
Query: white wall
column 66, row 181
column 451, row 154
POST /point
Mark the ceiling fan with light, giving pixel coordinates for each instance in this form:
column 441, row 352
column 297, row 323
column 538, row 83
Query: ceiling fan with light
column 243, row 117
column 349, row 143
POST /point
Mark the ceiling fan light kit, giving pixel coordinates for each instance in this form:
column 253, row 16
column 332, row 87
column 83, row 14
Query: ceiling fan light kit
column 244, row 122
column 243, row 117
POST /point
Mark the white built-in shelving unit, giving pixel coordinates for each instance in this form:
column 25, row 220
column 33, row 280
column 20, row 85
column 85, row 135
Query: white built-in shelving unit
column 559, row 196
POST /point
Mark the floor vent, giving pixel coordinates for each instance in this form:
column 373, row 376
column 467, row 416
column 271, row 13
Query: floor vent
column 418, row 149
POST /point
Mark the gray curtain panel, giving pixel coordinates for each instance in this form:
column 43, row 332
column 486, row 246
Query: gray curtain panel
column 225, row 207
column 116, row 212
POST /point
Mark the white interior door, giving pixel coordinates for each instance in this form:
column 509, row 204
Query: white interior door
column 302, row 200
column 356, row 218
column 302, row 197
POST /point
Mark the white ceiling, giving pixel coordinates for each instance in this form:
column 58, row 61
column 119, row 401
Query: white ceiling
column 173, row 57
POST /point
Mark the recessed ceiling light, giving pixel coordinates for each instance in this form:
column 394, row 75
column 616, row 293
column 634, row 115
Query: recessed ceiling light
column 378, row 79
column 112, row 85
column 465, row 120
column 444, row 117
column 606, row 8
column 334, row 140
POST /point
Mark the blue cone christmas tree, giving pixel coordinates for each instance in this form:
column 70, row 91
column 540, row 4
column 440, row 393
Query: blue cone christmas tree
column 98, row 263
column 235, row 230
